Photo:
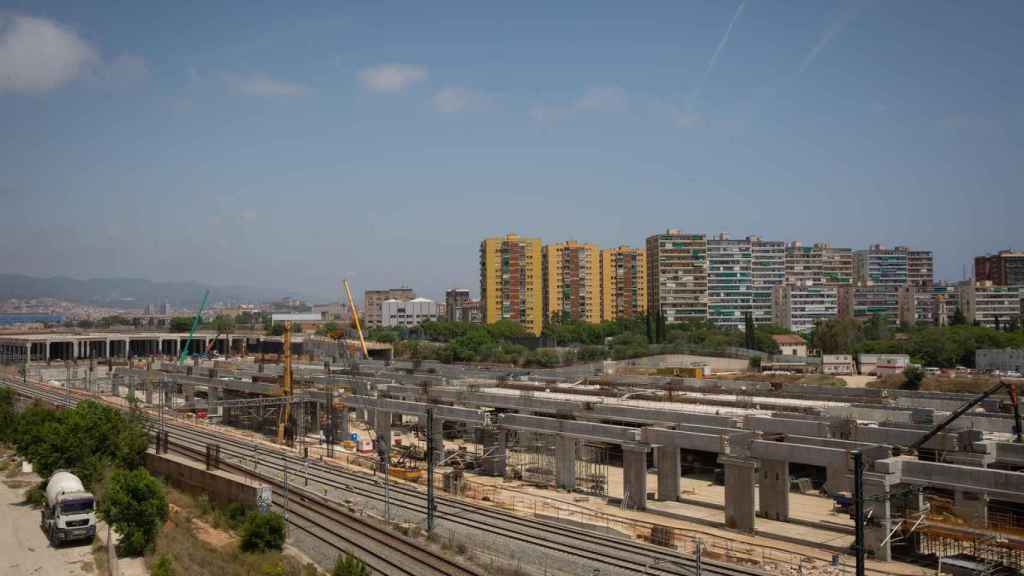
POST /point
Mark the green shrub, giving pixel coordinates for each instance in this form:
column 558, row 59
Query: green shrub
column 135, row 504
column 262, row 532
column 232, row 516
column 912, row 378
column 164, row 566
column 36, row 496
column 349, row 565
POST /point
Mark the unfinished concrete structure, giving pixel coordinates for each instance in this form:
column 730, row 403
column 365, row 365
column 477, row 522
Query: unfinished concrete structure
column 756, row 437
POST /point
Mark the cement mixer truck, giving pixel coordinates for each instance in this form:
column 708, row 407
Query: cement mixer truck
column 70, row 511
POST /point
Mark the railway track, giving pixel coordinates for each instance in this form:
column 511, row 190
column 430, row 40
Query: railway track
column 382, row 550
column 623, row 554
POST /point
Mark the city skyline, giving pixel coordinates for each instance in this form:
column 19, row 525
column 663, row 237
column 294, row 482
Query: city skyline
column 289, row 150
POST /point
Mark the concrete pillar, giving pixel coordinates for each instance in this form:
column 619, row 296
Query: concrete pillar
column 774, row 489
column 634, row 477
column 837, row 479
column 382, row 426
column 670, row 472
column 437, row 439
column 526, row 437
column 46, row 350
column 739, row 492
column 148, row 392
column 495, row 456
column 342, row 420
column 565, row 463
column 28, row 353
column 877, row 509
column 127, row 348
column 971, row 507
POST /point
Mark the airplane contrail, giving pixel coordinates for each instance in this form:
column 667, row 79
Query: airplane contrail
column 830, row 33
column 718, row 49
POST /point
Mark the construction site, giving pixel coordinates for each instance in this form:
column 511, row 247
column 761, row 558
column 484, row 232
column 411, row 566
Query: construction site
column 754, row 474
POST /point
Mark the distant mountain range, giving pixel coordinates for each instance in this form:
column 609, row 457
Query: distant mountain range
column 125, row 292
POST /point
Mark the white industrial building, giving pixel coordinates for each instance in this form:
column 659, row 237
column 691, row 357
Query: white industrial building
column 837, row 364
column 398, row 313
column 882, row 364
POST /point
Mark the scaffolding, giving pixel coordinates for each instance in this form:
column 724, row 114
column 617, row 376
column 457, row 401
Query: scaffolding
column 592, row 469
column 532, row 459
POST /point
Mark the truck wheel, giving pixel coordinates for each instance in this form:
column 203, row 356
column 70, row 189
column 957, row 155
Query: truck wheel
column 52, row 537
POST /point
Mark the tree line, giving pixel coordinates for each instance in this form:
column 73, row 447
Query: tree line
column 566, row 342
column 938, row 346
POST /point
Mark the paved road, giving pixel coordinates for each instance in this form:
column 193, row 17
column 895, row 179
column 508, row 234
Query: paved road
column 24, row 550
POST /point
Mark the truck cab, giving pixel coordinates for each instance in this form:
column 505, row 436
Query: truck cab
column 70, row 511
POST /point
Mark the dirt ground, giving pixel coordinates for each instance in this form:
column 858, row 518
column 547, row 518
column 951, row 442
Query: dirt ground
column 24, row 550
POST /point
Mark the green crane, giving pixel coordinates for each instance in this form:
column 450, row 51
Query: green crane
column 192, row 330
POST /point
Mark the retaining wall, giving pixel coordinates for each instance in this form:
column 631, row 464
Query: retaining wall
column 217, row 485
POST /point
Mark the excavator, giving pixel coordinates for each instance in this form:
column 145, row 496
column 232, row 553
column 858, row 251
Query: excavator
column 1009, row 383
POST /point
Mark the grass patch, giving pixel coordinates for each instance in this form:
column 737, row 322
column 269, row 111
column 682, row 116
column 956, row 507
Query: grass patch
column 189, row 555
column 36, row 496
column 100, row 557
column 822, row 380
column 179, row 551
column 937, row 383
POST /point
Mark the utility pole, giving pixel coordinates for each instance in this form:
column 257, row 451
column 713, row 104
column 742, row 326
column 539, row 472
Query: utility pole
column 858, row 510
column 382, row 452
column 285, row 457
column 67, row 385
column 333, row 430
column 161, row 392
column 696, row 557
column 431, row 463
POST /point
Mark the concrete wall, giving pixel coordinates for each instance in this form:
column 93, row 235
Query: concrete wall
column 686, row 360
column 192, row 477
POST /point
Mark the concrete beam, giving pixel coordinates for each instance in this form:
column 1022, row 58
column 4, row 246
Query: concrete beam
column 998, row 484
column 772, row 425
column 573, row 428
column 682, row 439
column 442, row 412
column 786, row 452
column 903, row 437
column 1009, row 454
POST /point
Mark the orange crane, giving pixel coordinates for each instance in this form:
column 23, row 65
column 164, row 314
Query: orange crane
column 355, row 316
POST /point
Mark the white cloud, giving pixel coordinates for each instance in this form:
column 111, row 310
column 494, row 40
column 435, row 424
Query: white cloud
column 601, row 98
column 593, row 99
column 685, row 119
column 392, row 77
column 457, row 99
column 37, row 55
column 263, row 85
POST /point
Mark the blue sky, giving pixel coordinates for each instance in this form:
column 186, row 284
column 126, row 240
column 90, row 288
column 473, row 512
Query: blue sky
column 290, row 145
